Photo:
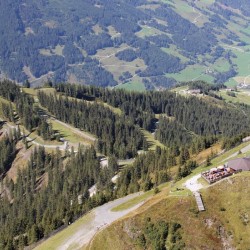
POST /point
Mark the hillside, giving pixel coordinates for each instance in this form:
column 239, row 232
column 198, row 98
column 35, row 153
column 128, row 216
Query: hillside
column 67, row 149
column 139, row 44
column 224, row 224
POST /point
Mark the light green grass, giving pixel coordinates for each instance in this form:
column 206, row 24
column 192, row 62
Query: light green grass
column 241, row 97
column 152, row 142
column 58, row 50
column 148, row 31
column 138, row 199
column 123, row 163
column 48, row 90
column 242, row 61
column 221, row 65
column 116, row 66
column 45, row 52
column 30, row 91
column 172, row 50
column 231, row 83
column 202, row 181
column 237, row 27
column 132, row 86
column 57, row 240
column 185, row 9
column 115, row 110
column 192, row 72
column 133, row 202
column 69, row 135
column 38, row 138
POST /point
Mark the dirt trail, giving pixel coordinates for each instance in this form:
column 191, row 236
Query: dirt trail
column 62, row 147
column 76, row 131
column 100, row 218
column 8, row 126
column 192, row 184
column 243, row 150
column 197, row 17
column 103, row 216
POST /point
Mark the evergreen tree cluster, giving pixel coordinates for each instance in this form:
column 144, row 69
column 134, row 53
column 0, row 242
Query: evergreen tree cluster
column 205, row 87
column 9, row 90
column 116, row 134
column 161, row 235
column 166, row 132
column 26, row 110
column 44, row 129
column 189, row 116
column 7, row 111
column 148, row 170
column 7, row 153
column 51, row 192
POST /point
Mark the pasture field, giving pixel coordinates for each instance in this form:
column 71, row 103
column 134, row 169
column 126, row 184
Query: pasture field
column 192, row 73
column 242, row 96
column 132, row 86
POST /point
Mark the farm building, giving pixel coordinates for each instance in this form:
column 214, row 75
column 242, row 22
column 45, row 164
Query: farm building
column 194, row 91
column 240, row 164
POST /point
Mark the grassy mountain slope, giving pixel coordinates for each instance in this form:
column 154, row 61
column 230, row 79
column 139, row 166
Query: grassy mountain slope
column 210, row 229
column 29, row 180
column 141, row 44
column 224, row 224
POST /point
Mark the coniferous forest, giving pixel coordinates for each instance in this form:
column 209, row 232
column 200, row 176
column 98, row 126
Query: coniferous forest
column 69, row 44
column 52, row 190
column 101, row 99
column 189, row 117
column 116, row 134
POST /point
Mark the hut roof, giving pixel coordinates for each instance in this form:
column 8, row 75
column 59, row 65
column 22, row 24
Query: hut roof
column 240, row 164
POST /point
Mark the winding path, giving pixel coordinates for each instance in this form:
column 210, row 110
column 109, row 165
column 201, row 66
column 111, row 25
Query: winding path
column 192, row 184
column 100, row 218
column 243, row 150
column 75, row 130
column 33, row 141
column 196, row 18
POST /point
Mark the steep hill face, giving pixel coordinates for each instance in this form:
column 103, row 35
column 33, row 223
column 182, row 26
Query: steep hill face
column 46, row 184
column 173, row 222
column 150, row 44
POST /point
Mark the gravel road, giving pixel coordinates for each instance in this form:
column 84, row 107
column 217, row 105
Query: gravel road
column 33, row 141
column 103, row 216
column 76, row 131
column 192, row 184
column 243, row 150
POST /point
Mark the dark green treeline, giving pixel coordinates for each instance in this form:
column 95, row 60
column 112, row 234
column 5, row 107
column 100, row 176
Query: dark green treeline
column 182, row 119
column 116, row 134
